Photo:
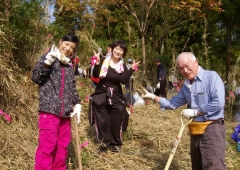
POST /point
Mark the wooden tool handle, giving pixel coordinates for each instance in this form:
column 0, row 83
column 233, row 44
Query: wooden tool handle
column 78, row 150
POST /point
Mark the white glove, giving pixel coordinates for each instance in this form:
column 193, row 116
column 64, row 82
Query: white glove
column 76, row 111
column 158, row 85
column 63, row 59
column 55, row 53
column 188, row 113
column 51, row 56
column 147, row 94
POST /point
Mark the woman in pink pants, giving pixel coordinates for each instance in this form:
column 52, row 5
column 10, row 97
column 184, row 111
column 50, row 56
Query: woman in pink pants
column 58, row 96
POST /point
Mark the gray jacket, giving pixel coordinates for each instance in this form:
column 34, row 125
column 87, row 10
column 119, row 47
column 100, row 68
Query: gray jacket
column 49, row 80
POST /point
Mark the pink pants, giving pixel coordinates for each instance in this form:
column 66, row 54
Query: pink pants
column 54, row 138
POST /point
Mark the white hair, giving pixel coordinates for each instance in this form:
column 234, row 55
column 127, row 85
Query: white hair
column 186, row 54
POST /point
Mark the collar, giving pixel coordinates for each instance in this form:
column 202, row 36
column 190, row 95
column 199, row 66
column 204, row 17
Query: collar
column 200, row 73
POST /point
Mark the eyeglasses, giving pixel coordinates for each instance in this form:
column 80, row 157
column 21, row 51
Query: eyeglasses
column 186, row 66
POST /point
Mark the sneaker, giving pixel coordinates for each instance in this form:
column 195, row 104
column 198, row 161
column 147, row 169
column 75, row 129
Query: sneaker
column 115, row 149
column 102, row 149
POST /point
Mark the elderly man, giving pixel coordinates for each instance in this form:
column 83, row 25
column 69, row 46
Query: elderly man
column 203, row 91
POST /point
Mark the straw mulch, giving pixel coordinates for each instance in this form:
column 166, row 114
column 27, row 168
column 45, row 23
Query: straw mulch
column 146, row 145
column 19, row 101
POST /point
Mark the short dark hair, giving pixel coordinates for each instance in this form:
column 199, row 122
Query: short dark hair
column 109, row 45
column 70, row 37
column 122, row 45
column 157, row 59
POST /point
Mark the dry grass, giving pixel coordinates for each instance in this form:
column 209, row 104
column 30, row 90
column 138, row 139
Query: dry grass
column 146, row 145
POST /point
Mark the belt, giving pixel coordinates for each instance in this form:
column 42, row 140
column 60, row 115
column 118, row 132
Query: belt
column 218, row 121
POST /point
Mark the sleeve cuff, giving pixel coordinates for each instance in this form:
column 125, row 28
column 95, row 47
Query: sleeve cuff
column 162, row 101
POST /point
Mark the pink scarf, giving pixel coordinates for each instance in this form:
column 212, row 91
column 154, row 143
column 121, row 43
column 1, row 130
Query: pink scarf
column 103, row 72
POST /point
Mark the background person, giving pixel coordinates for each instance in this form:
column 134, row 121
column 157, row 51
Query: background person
column 129, row 84
column 161, row 79
column 203, row 91
column 171, row 80
column 59, row 100
column 109, row 51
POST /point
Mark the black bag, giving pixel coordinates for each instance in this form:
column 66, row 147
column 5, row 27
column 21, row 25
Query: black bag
column 95, row 101
column 99, row 99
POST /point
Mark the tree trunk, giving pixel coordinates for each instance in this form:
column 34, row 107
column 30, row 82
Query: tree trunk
column 162, row 48
column 7, row 9
column 143, row 55
column 6, row 48
column 229, row 49
column 205, row 43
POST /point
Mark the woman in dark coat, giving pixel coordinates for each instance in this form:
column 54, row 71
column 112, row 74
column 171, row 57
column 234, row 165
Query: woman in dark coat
column 58, row 101
column 108, row 101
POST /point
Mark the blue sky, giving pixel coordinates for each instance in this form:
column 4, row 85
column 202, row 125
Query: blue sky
column 51, row 10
